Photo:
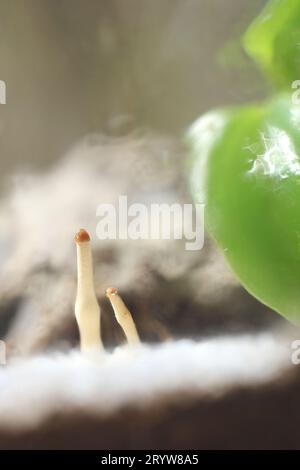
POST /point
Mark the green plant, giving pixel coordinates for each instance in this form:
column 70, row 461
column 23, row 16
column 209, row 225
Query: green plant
column 246, row 169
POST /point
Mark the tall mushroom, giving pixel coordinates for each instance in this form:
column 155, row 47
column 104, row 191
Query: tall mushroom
column 87, row 310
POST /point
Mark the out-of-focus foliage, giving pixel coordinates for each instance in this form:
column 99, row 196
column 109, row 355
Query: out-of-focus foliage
column 273, row 41
column 249, row 181
column 246, row 169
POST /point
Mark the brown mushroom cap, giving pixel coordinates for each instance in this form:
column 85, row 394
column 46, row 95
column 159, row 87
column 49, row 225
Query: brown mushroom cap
column 82, row 236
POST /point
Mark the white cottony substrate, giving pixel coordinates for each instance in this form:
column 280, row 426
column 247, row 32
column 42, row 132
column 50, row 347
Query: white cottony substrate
column 34, row 388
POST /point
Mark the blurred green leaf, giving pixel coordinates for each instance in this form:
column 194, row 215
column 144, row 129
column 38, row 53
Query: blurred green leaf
column 246, row 169
column 273, row 41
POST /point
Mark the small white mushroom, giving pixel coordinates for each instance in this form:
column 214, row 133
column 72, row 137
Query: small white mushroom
column 87, row 310
column 123, row 316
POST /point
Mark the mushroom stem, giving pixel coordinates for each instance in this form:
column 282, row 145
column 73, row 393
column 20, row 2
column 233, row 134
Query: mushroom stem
column 123, row 316
column 87, row 310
